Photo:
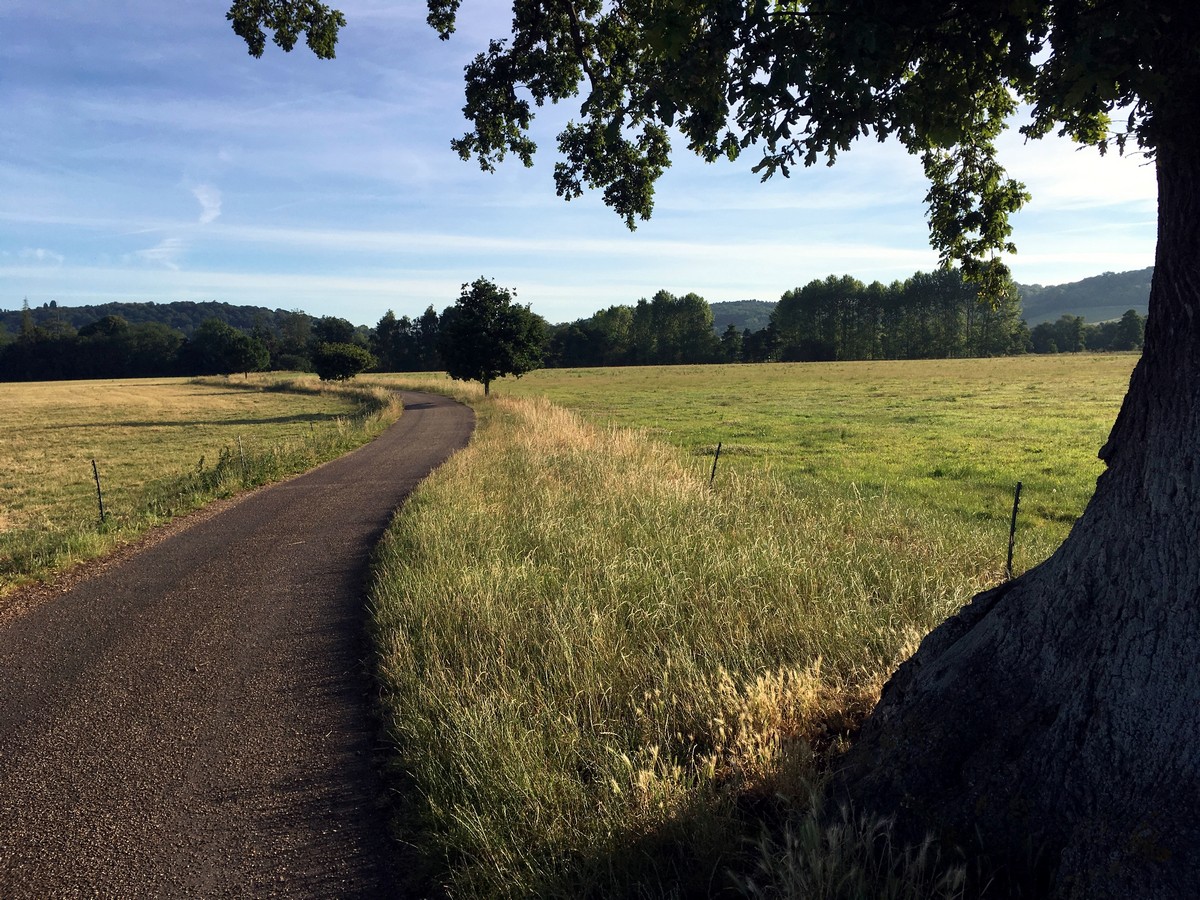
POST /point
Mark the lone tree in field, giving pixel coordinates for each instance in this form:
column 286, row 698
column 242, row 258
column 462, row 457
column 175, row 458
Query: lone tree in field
column 485, row 336
column 1057, row 717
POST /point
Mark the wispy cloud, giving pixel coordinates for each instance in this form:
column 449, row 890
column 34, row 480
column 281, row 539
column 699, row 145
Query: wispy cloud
column 42, row 255
column 1064, row 176
column 209, row 199
column 166, row 253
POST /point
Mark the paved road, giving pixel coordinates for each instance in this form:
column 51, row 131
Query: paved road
column 195, row 721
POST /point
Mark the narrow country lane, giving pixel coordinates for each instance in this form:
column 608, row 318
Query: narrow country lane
column 196, row 721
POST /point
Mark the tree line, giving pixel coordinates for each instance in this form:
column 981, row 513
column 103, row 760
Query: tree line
column 47, row 347
column 930, row 315
column 112, row 347
column 182, row 315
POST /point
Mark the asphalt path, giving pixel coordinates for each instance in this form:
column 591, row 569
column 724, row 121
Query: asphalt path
column 196, row 720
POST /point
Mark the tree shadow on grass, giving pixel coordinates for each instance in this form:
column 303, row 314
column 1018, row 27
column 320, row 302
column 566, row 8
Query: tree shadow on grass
column 700, row 852
column 297, row 419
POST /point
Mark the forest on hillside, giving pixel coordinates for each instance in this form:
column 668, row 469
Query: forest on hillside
column 184, row 316
column 1096, row 299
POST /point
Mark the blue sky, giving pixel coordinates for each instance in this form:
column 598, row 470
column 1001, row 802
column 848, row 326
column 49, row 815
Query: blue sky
column 147, row 156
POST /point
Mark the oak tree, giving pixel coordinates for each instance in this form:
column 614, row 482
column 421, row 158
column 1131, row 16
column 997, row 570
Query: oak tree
column 485, row 335
column 1058, row 711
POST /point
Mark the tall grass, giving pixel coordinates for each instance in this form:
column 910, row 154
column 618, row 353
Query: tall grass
column 603, row 676
column 152, row 472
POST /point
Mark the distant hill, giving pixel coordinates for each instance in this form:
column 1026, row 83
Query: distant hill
column 743, row 314
column 1097, row 299
column 184, row 315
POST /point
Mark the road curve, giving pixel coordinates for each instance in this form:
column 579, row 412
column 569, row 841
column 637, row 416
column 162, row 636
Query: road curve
column 196, row 721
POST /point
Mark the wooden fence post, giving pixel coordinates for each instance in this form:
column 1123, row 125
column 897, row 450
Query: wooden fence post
column 716, row 456
column 1012, row 531
column 99, row 494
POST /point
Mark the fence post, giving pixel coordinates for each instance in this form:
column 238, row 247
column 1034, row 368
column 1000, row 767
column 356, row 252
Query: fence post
column 99, row 494
column 1012, row 531
column 716, row 456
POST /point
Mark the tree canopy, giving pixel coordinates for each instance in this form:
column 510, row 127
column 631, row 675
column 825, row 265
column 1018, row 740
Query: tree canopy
column 801, row 82
column 217, row 348
column 485, row 336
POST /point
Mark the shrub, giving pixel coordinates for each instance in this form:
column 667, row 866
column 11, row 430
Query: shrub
column 340, row 362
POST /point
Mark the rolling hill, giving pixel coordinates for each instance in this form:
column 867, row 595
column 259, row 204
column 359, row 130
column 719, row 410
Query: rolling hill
column 1097, row 299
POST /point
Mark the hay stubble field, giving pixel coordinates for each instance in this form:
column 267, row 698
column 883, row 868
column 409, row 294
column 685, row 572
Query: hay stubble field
column 162, row 446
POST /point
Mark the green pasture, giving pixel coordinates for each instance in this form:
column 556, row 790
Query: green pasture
column 946, row 436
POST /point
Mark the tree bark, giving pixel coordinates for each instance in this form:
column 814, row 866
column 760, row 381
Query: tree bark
column 1054, row 723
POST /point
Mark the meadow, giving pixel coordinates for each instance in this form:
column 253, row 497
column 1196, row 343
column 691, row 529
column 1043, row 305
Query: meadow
column 162, row 447
column 606, row 677
column 950, row 436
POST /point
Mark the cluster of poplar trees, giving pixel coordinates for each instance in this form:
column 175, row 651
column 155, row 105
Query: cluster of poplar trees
column 665, row 330
column 930, row 315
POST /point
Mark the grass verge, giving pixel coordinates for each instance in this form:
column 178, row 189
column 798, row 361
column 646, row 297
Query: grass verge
column 604, row 676
column 164, row 447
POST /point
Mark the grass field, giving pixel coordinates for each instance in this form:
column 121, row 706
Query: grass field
column 162, row 447
column 604, row 676
column 951, row 436
column 607, row 678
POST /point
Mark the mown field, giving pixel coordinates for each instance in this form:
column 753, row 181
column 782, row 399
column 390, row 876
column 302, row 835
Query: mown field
column 949, row 436
column 162, row 447
column 606, row 677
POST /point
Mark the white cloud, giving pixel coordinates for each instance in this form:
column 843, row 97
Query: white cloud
column 40, row 254
column 166, row 253
column 1063, row 175
column 209, row 199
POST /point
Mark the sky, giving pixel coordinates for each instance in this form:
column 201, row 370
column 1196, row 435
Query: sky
column 146, row 155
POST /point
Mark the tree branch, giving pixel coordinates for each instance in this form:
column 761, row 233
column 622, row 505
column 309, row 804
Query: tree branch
column 577, row 39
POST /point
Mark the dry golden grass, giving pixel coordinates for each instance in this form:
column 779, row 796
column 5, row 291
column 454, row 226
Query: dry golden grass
column 595, row 664
column 603, row 674
column 149, row 437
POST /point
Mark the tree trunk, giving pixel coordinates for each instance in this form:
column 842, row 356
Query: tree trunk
column 1054, row 723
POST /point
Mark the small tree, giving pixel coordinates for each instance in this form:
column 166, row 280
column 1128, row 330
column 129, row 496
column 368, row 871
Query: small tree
column 217, row 348
column 341, row 362
column 485, row 336
column 1130, row 331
